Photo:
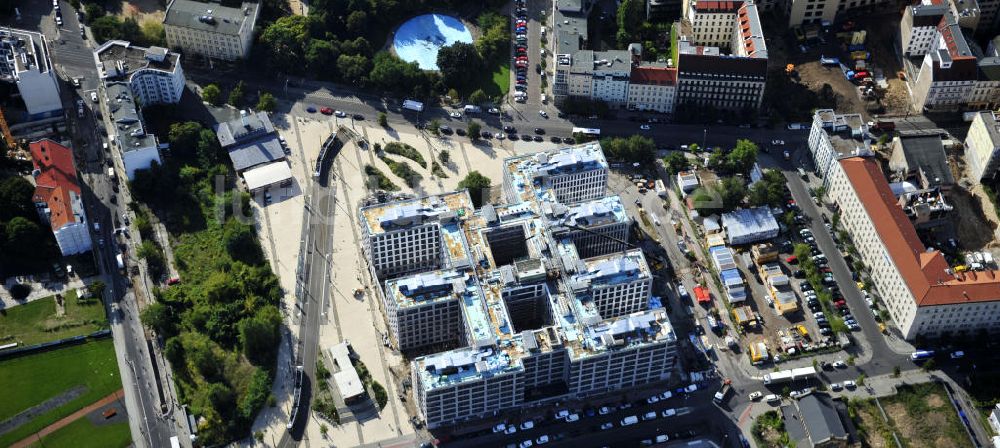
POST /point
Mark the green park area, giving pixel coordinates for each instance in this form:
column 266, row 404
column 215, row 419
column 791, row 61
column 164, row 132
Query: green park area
column 63, row 380
column 44, row 320
column 83, row 433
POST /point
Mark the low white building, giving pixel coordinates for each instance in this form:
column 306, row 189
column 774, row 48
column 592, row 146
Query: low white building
column 24, row 61
column 346, row 377
column 58, row 196
column 748, row 226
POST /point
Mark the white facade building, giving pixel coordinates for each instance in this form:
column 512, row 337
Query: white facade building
column 918, row 27
column 154, row 74
column 922, row 293
column 617, row 284
column 982, row 146
column 210, row 29
column 423, row 309
column 567, row 175
column 24, row 61
column 652, row 88
column 834, row 136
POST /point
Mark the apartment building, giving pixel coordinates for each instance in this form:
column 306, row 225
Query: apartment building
column 210, row 29
column 568, row 175
column 954, row 75
column 135, row 77
column 154, row 74
column 415, row 235
column 800, row 12
column 595, row 228
column 537, row 323
column 24, row 62
column 918, row 27
column 834, row 136
column 423, row 309
column 982, row 146
column 616, row 284
column 58, row 196
column 653, row 87
column 728, row 71
column 922, row 293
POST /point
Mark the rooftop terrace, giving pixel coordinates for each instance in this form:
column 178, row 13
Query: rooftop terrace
column 380, row 218
column 529, row 171
column 21, row 50
column 119, row 58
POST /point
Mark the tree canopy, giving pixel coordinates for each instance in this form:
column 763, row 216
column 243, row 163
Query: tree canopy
column 460, row 63
column 635, row 148
column 478, row 186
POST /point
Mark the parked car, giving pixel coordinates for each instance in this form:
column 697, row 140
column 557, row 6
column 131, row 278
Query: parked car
column 756, row 395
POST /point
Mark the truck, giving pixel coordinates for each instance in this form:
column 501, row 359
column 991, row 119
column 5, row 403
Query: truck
column 416, row 106
column 111, row 173
column 800, row 373
column 921, row 355
column 121, row 262
column 720, row 396
column 470, row 109
column 661, row 190
column 175, row 442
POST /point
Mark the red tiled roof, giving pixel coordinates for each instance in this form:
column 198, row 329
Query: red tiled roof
column 923, row 271
column 717, row 6
column 55, row 181
column 654, row 75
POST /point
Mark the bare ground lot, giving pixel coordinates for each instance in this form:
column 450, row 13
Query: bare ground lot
column 920, row 415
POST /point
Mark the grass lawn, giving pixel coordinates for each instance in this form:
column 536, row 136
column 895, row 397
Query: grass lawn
column 84, row 434
column 501, row 80
column 36, row 322
column 30, row 380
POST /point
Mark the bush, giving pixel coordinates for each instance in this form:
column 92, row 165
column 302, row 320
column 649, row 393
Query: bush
column 212, row 95
column 404, row 150
column 379, row 179
column 383, row 120
column 438, row 171
column 20, row 292
column 381, row 396
column 403, row 171
column 478, row 186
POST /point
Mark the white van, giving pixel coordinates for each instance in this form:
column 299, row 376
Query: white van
column 545, row 99
column 630, row 420
column 772, row 398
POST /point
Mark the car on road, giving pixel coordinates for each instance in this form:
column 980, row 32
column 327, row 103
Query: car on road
column 526, row 444
column 756, row 395
column 445, row 130
column 526, row 137
column 653, row 399
column 528, row 424
column 510, row 429
column 651, row 415
column 604, row 410
column 850, row 384
column 555, row 139
column 772, row 398
column 777, row 142
column 538, row 139
column 542, row 440
column 499, row 428
column 93, row 96
column 666, row 395
column 540, row 131
column 543, row 114
column 668, row 412
column 499, row 136
column 509, row 129
column 562, row 413
column 568, row 140
column 957, row 354
column 572, row 418
column 840, row 364
column 644, row 127
column 358, row 117
column 486, row 134
column 836, row 386
column 76, row 82
column 607, row 425
column 326, row 111
column 460, row 131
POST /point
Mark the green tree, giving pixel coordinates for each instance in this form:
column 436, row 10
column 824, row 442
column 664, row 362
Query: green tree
column 183, row 138
column 635, row 148
column 459, row 64
column 676, row 162
column 353, row 68
column 453, row 94
column 383, row 120
column 105, row 28
column 23, row 237
column 768, row 191
column 631, row 14
column 285, row 40
column 236, row 95
column 895, row 371
column 93, row 11
column 356, row 22
column 321, row 58
column 743, row 156
column 396, row 75
column 211, row 94
column 96, row 289
column 158, row 317
column 434, row 126
column 153, row 34
column 323, row 429
column 474, row 130
column 16, row 195
column 174, row 352
column 266, row 102
column 478, row 186
column 241, row 243
column 444, row 156
column 260, row 335
column 478, row 97
column 208, row 148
